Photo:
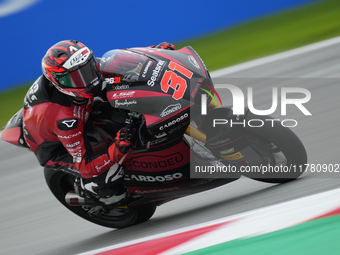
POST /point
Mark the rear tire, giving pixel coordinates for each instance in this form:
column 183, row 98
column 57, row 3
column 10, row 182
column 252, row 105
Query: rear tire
column 60, row 183
column 279, row 146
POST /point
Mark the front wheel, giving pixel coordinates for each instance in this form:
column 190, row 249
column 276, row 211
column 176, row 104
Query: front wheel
column 60, row 183
column 283, row 152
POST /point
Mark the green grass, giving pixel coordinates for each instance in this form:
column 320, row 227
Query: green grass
column 254, row 39
column 11, row 101
column 269, row 35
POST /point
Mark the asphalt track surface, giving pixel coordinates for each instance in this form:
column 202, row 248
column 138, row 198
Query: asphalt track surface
column 32, row 221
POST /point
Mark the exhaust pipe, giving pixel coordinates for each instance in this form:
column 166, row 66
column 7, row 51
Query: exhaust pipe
column 73, row 199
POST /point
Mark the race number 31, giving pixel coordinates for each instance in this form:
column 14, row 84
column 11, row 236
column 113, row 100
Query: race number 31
column 174, row 81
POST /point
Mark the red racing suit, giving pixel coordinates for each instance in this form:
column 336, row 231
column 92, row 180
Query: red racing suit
column 54, row 126
column 54, row 130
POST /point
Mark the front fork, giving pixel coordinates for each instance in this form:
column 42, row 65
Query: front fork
column 195, row 132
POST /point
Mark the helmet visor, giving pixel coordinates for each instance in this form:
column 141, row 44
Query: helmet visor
column 80, row 78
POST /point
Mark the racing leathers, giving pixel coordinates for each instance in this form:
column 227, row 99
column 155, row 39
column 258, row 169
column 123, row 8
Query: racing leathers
column 54, row 130
column 54, row 123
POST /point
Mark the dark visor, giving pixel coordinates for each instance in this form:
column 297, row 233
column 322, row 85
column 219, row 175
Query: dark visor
column 80, row 78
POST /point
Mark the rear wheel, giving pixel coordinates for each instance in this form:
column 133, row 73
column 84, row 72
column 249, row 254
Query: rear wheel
column 60, row 183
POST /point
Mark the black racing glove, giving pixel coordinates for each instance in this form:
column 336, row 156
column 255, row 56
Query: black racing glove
column 121, row 143
column 124, row 138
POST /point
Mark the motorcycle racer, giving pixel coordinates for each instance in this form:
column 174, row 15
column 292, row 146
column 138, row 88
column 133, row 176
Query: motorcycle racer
column 56, row 109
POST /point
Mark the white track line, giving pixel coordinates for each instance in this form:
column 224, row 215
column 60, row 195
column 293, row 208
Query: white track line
column 255, row 222
column 265, row 220
column 275, row 57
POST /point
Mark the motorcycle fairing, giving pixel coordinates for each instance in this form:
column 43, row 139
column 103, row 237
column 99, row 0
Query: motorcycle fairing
column 167, row 166
column 163, row 87
column 13, row 131
column 166, row 157
column 186, row 56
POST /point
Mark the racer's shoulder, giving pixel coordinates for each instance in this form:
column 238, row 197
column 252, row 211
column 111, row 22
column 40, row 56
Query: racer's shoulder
column 39, row 92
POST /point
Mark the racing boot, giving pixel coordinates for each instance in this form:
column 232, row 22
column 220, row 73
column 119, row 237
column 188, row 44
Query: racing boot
column 107, row 187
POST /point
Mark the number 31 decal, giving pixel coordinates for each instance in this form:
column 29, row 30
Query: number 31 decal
column 172, row 80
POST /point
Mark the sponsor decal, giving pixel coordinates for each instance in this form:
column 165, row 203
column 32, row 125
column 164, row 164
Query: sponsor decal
column 160, row 135
column 170, row 109
column 120, row 87
column 193, row 61
column 80, row 113
column 158, row 141
column 74, row 149
column 79, row 57
column 67, row 124
column 175, row 121
column 201, row 60
column 148, row 65
column 95, row 81
column 73, row 144
column 228, row 151
column 112, row 80
column 219, row 142
column 76, row 159
column 122, row 95
column 155, row 73
column 156, row 190
column 180, row 126
column 125, row 103
column 235, row 156
column 149, row 178
column 99, row 168
column 69, row 136
column 162, row 162
column 30, row 96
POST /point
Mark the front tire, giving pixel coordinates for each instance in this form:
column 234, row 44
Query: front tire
column 60, row 183
column 280, row 147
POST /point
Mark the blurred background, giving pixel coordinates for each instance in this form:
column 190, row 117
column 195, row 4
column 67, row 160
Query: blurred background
column 222, row 32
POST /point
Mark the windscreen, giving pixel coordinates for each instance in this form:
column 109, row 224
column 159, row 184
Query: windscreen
column 122, row 63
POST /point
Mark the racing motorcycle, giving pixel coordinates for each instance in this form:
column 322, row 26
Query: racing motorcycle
column 176, row 146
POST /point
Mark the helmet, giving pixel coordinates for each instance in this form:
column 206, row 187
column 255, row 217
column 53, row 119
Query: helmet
column 73, row 69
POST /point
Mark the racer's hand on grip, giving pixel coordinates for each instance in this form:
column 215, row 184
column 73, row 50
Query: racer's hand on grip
column 121, row 143
column 164, row 46
column 124, row 138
